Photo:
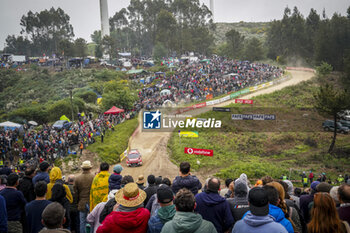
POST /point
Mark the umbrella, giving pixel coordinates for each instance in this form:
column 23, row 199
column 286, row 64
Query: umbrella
column 33, row 123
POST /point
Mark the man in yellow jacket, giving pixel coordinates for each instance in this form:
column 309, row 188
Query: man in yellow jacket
column 99, row 187
column 56, row 174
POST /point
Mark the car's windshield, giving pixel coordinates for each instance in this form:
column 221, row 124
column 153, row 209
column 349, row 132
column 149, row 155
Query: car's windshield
column 133, row 156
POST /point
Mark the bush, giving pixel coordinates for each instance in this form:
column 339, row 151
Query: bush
column 87, row 96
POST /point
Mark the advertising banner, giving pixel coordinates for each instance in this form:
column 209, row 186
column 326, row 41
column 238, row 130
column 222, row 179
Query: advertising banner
column 215, row 109
column 242, row 101
column 189, row 134
column 196, row 151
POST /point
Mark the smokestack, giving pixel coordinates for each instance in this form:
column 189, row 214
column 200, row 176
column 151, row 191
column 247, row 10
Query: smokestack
column 212, row 8
column 104, row 18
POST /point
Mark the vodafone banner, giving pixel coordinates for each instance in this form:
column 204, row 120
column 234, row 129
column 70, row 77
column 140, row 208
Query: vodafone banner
column 196, row 151
column 242, row 101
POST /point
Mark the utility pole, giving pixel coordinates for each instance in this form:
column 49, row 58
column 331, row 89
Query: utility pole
column 71, row 97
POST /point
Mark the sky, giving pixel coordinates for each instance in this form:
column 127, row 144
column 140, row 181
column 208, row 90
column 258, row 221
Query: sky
column 85, row 14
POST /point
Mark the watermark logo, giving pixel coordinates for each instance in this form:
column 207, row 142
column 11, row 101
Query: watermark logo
column 152, row 120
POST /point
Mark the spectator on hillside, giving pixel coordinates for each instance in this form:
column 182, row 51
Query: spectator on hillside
column 26, row 184
column 213, row 207
column 166, row 211
column 266, row 179
column 185, row 219
column 153, row 204
column 151, row 188
column 290, row 212
column 158, row 181
column 115, row 179
column 325, row 216
column 186, row 180
column 140, row 182
column 290, row 192
column 306, row 199
column 53, row 219
column 59, row 195
column 82, row 187
column 334, row 195
column 129, row 215
column 344, row 199
column 243, row 179
column 258, row 218
column 108, row 208
column 43, row 174
column 3, row 182
column 15, row 203
column 3, row 215
column 239, row 203
column 56, row 177
column 226, row 192
column 99, row 187
column 35, row 208
column 274, row 210
column 73, row 207
column 5, row 170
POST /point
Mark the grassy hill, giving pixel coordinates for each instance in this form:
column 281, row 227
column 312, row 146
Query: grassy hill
column 247, row 29
column 295, row 142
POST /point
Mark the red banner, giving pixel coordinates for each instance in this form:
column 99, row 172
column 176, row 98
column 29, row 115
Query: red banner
column 242, row 101
column 196, row 151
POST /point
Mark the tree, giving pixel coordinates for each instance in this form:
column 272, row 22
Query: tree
column 324, row 69
column 159, row 51
column 66, row 48
column 253, row 50
column 329, row 102
column 119, row 94
column 166, row 30
column 235, row 43
column 18, row 45
column 109, row 46
column 80, row 47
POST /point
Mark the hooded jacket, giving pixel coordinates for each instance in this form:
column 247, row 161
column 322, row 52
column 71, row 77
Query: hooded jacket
column 190, row 182
column 128, row 222
column 162, row 216
column 56, row 174
column 214, row 208
column 278, row 214
column 41, row 176
column 188, row 222
column 114, row 181
column 252, row 223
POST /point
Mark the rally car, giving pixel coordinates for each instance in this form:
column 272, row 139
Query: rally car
column 134, row 158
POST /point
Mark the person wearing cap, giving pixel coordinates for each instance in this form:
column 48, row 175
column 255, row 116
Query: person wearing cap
column 115, row 179
column 165, row 213
column 239, row 203
column 213, row 207
column 151, row 188
column 129, row 215
column 186, row 180
column 43, row 173
column 99, row 188
column 185, row 219
column 55, row 177
column 305, row 200
column 258, row 218
column 140, row 181
column 344, row 199
column 82, row 187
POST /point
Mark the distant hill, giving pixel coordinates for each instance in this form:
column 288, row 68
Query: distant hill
column 247, row 29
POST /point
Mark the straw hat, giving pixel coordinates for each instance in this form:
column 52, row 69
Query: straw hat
column 140, row 179
column 130, row 195
column 86, row 164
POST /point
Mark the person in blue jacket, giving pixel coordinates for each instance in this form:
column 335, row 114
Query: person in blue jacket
column 258, row 218
column 3, row 215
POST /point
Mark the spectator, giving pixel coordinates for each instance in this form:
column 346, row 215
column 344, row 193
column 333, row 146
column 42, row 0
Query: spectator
column 153, row 203
column 239, row 203
column 140, row 181
column 166, row 211
column 73, row 207
column 99, row 187
column 258, row 218
column 291, row 193
column 115, row 179
column 59, row 195
column 158, row 181
column 26, row 184
column 185, row 220
column 3, row 215
column 15, row 203
column 306, row 199
column 334, row 195
column 274, row 210
column 151, row 188
column 108, row 208
column 82, row 187
column 3, row 182
column 213, row 207
column 266, row 180
column 344, row 199
column 56, row 177
column 186, row 180
column 43, row 174
column 53, row 219
column 129, row 215
column 325, row 216
column 290, row 213
column 35, row 208
column 226, row 192
column 5, row 170
column 94, row 216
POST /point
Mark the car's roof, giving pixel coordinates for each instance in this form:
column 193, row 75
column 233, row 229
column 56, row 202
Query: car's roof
column 134, row 151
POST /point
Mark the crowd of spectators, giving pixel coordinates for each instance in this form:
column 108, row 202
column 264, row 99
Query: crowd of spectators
column 103, row 202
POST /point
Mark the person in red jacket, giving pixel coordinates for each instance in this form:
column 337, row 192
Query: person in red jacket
column 129, row 215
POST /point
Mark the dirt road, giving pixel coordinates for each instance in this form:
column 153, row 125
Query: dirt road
column 153, row 146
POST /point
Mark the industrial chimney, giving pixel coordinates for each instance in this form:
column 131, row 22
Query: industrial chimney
column 104, row 18
column 212, row 8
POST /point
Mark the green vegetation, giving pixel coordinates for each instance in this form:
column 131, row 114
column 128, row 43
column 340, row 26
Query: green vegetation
column 115, row 142
column 255, row 149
